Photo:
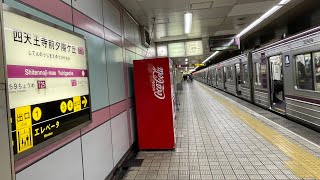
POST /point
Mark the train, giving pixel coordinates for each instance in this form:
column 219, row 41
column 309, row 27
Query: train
column 283, row 76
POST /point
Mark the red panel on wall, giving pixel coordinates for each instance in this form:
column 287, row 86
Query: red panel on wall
column 154, row 103
column 55, row 8
column 84, row 22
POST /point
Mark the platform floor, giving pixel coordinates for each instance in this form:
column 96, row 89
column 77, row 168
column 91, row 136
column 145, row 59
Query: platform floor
column 218, row 138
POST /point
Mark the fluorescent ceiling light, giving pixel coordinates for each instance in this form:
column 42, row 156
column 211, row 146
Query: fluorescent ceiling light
column 252, row 25
column 212, row 55
column 186, row 59
column 187, row 22
column 186, row 62
column 263, row 17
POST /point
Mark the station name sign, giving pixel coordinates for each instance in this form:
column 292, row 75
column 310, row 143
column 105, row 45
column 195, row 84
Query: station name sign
column 47, row 81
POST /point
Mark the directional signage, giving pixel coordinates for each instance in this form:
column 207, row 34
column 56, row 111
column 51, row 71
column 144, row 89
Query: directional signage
column 199, row 65
column 194, row 48
column 47, row 81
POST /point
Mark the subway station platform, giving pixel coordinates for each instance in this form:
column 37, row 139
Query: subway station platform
column 221, row 138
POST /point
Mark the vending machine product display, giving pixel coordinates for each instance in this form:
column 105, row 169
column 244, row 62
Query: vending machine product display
column 155, row 103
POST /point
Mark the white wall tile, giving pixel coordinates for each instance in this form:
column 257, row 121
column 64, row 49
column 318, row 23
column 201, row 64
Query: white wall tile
column 120, row 136
column 97, row 153
column 111, row 17
column 63, row 164
column 92, row 8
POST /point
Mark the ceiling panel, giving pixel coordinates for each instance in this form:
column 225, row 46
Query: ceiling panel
column 251, row 8
column 254, row 1
column 238, row 22
column 221, row 3
column 230, row 15
column 203, row 5
column 227, row 32
column 212, row 13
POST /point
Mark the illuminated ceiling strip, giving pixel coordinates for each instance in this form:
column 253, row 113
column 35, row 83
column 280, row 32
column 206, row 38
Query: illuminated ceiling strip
column 263, row 17
column 187, row 22
column 254, row 24
column 212, row 55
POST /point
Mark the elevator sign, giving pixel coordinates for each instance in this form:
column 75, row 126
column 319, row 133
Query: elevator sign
column 47, row 81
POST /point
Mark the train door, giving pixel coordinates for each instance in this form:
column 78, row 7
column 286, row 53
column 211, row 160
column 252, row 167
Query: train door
column 276, row 84
column 238, row 79
column 224, row 77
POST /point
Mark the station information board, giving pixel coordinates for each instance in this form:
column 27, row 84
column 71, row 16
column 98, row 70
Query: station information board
column 47, row 81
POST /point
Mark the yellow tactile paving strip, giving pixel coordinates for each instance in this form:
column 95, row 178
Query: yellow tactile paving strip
column 303, row 163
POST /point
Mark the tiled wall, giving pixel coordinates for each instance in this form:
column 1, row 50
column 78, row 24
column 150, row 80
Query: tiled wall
column 113, row 41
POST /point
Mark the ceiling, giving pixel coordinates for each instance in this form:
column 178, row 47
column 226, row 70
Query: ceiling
column 210, row 17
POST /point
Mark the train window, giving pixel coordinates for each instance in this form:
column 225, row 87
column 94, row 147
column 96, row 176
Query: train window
column 219, row 74
column 214, row 74
column 276, row 63
column 304, row 70
column 245, row 73
column 316, row 60
column 258, row 73
column 229, row 73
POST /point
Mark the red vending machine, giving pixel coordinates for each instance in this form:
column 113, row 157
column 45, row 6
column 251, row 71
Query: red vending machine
column 155, row 103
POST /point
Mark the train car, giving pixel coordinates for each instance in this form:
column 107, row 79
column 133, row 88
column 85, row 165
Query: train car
column 209, row 78
column 289, row 71
column 220, row 77
column 230, row 75
column 238, row 75
column 283, row 76
column 214, row 76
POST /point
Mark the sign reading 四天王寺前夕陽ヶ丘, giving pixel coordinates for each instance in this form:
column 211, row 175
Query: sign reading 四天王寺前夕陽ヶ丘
column 47, row 81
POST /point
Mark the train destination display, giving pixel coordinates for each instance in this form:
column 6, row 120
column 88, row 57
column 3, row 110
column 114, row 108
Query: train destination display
column 47, row 81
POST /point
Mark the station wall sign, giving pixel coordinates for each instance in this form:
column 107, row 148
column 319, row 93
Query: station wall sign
column 47, row 81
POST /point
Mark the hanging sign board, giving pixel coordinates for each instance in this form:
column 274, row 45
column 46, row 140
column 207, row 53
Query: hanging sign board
column 177, row 49
column 194, row 48
column 223, row 43
column 47, row 81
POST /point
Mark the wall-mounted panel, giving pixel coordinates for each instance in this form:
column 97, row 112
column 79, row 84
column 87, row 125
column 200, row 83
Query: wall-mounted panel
column 128, row 28
column 137, row 35
column 133, row 124
column 55, row 8
column 27, row 9
column 111, row 17
column 120, row 136
column 97, row 153
column 67, row 1
column 92, row 8
column 130, row 56
column 63, row 164
column 116, row 82
column 97, row 70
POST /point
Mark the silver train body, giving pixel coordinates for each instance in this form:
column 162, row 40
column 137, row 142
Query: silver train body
column 283, row 76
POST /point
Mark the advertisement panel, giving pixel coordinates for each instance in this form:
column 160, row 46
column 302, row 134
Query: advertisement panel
column 47, row 80
column 155, row 103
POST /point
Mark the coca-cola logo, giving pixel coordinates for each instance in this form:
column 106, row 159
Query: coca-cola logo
column 158, row 82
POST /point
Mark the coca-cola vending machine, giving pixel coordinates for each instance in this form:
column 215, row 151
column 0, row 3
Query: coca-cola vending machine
column 155, row 103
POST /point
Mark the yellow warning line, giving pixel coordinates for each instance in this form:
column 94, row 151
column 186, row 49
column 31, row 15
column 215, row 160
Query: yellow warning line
column 303, row 164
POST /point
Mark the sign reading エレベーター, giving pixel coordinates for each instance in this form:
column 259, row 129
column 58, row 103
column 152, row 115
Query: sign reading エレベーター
column 47, row 80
